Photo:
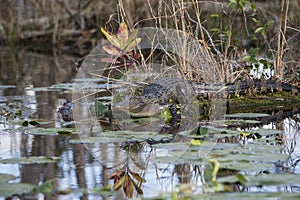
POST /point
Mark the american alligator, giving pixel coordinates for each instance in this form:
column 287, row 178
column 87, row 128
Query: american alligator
column 156, row 96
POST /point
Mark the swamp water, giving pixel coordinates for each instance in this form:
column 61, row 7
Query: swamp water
column 41, row 157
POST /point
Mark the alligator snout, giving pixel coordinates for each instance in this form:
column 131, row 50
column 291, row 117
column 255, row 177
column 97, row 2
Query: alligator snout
column 138, row 108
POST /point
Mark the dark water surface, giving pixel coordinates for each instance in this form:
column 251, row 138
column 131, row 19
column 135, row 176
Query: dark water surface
column 77, row 168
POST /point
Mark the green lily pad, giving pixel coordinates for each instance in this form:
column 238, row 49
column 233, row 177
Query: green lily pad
column 247, row 115
column 30, row 160
column 248, row 196
column 262, row 179
column 6, row 177
column 32, row 123
column 237, row 122
column 266, row 132
column 10, row 189
column 120, row 136
column 50, row 131
column 106, row 191
column 250, row 157
column 183, row 152
column 214, row 130
column 46, row 187
column 245, row 166
column 174, row 146
column 257, row 157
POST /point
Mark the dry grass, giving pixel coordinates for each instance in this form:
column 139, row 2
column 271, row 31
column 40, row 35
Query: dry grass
column 214, row 57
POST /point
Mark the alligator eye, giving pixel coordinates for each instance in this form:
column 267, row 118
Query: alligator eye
column 136, row 104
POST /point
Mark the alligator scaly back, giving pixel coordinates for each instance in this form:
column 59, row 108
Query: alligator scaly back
column 162, row 90
column 242, row 87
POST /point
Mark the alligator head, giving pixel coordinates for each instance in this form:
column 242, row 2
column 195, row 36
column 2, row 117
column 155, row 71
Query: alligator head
column 137, row 106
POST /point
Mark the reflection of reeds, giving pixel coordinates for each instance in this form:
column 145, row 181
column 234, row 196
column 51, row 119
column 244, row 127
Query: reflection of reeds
column 291, row 134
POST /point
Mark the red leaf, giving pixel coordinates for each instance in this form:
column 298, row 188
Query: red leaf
column 110, row 60
column 115, row 174
column 112, row 50
column 123, row 34
column 128, row 186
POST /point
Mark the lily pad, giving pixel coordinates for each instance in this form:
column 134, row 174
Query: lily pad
column 10, row 189
column 262, row 179
column 121, row 136
column 245, row 166
column 251, row 157
column 211, row 129
column 266, row 132
column 33, row 123
column 30, row 160
column 184, row 152
column 6, row 177
column 247, row 115
column 101, row 191
column 248, row 196
column 50, row 131
column 237, row 122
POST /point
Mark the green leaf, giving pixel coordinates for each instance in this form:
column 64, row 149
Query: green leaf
column 262, row 179
column 6, row 177
column 247, row 115
column 266, row 132
column 259, row 29
column 10, row 189
column 208, row 173
column 132, row 36
column 203, row 130
column 120, row 136
column 253, row 6
column 44, row 188
column 65, row 132
column 215, row 15
column 246, row 58
column 133, row 44
column 106, row 191
column 25, row 123
column 34, row 123
column 111, row 38
column 215, row 29
column 249, row 196
column 269, row 23
column 254, row 20
column 50, row 131
column 242, row 179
